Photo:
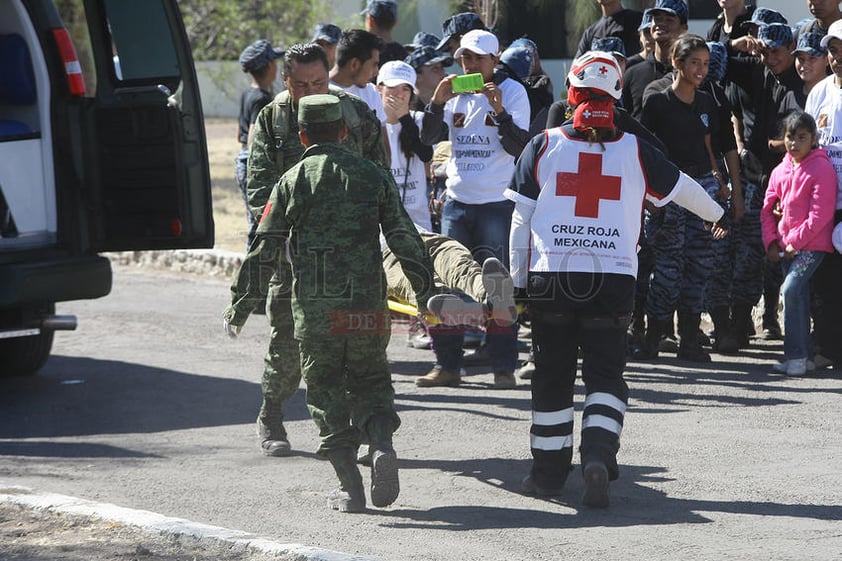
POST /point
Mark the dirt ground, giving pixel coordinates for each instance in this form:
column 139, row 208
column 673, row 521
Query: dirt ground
column 36, row 535
column 229, row 210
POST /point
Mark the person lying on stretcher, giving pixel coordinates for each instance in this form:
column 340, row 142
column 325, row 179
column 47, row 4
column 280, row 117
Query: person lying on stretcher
column 471, row 295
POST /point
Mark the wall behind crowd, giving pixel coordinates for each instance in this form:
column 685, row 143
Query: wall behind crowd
column 222, row 81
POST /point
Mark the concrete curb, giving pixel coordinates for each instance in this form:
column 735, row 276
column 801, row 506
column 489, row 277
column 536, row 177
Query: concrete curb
column 156, row 523
column 213, row 262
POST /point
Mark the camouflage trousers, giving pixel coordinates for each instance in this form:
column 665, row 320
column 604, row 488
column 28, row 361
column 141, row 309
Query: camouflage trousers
column 281, row 366
column 683, row 253
column 738, row 258
column 453, row 264
column 348, row 380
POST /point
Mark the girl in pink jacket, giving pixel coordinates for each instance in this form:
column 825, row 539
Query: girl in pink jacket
column 797, row 223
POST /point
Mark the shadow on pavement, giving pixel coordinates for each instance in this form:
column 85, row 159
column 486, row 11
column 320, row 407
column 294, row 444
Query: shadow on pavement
column 81, row 396
column 627, row 495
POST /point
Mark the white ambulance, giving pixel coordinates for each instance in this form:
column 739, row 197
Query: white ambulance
column 102, row 148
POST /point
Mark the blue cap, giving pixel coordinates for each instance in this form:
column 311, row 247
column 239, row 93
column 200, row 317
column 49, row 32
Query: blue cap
column 718, row 62
column 802, row 22
column 775, row 35
column 609, row 45
column 646, row 20
column 258, row 54
column 377, row 8
column 674, row 7
column 459, row 24
column 810, row 43
column 520, row 60
column 423, row 56
column 765, row 16
column 326, row 32
column 423, row 39
column 530, row 46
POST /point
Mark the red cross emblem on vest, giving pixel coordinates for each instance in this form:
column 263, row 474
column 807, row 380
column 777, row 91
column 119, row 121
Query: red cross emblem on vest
column 588, row 185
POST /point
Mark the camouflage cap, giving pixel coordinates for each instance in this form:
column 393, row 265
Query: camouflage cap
column 676, row 8
column 459, row 24
column 609, row 44
column 423, row 39
column 258, row 54
column 377, row 8
column 319, row 108
column 718, row 62
column 810, row 43
column 764, row 16
column 775, row 35
column 423, row 56
column 646, row 20
column 326, row 32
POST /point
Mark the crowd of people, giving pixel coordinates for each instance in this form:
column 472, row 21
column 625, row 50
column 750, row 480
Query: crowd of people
column 675, row 176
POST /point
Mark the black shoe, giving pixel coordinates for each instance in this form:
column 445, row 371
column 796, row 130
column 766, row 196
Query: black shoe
column 772, row 332
column 529, row 487
column 596, row 486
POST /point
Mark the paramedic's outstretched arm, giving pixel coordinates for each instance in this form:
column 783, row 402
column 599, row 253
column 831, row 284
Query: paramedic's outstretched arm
column 519, row 243
column 665, row 183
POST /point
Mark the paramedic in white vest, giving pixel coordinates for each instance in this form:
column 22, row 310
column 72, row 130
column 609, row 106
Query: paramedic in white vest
column 579, row 190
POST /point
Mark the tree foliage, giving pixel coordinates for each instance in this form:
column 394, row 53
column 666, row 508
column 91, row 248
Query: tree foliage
column 221, row 29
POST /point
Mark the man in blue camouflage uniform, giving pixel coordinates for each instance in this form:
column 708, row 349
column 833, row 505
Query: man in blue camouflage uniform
column 333, row 204
column 276, row 148
column 767, row 85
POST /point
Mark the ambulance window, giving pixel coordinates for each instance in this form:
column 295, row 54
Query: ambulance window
column 141, row 51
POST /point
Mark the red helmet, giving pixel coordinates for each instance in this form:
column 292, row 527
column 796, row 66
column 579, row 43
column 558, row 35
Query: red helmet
column 597, row 70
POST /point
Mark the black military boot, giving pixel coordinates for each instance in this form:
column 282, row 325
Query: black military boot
column 270, row 429
column 688, row 330
column 655, row 330
column 725, row 341
column 350, row 497
column 385, row 485
column 743, row 324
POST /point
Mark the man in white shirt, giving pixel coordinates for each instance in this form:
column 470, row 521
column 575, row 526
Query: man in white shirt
column 488, row 130
column 357, row 63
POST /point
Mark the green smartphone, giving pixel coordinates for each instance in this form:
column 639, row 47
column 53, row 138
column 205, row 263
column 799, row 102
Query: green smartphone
column 467, row 83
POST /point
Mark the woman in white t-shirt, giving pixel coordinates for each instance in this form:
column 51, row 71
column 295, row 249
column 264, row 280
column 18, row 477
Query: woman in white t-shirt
column 396, row 82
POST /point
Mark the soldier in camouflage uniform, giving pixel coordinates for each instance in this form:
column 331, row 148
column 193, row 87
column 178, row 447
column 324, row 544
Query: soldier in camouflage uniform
column 324, row 216
column 276, row 148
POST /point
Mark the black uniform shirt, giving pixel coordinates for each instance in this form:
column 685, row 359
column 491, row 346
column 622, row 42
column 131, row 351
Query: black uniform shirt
column 635, row 81
column 251, row 102
column 623, row 24
column 682, row 128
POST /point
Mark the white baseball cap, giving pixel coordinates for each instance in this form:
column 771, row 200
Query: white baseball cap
column 395, row 73
column 834, row 31
column 837, row 237
column 478, row 41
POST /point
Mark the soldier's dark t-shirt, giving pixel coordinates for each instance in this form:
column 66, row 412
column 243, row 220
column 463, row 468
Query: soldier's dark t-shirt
column 623, row 24
column 682, row 127
column 717, row 30
column 635, row 81
column 251, row 102
column 768, row 99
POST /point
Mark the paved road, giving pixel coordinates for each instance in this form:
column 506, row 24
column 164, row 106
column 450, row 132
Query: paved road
column 148, row 406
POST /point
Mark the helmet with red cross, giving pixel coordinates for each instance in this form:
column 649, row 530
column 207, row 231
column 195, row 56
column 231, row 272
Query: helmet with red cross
column 597, row 70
